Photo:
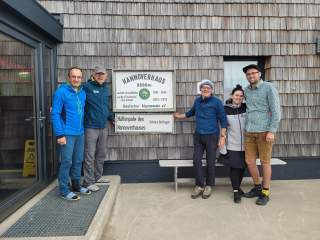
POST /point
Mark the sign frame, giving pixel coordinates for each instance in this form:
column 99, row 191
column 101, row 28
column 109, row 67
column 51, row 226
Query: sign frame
column 173, row 130
column 151, row 110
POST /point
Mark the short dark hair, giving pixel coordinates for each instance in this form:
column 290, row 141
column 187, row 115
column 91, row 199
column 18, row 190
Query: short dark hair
column 74, row 67
column 237, row 88
column 251, row 66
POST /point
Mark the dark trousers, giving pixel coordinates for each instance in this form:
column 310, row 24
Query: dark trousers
column 209, row 143
column 236, row 176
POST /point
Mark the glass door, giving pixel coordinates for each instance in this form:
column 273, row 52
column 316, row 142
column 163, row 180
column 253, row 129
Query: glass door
column 18, row 145
column 51, row 162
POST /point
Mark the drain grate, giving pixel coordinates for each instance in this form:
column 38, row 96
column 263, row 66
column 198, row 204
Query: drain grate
column 54, row 216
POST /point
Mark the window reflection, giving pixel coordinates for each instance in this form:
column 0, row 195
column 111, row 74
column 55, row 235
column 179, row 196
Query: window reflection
column 17, row 146
column 233, row 75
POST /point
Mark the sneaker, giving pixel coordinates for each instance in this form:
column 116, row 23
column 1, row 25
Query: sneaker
column 71, row 196
column 262, row 200
column 93, row 188
column 83, row 190
column 207, row 192
column 103, row 180
column 237, row 197
column 197, row 192
column 254, row 192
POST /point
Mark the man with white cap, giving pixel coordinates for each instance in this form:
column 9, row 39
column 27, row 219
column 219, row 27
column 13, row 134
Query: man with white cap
column 210, row 133
column 97, row 114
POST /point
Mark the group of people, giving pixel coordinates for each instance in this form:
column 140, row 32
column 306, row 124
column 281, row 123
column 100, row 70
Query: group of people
column 80, row 115
column 243, row 131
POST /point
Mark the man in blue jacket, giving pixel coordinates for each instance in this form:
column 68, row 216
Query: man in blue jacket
column 67, row 121
column 96, row 118
column 209, row 113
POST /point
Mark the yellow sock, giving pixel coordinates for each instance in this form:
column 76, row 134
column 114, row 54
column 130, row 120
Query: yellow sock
column 265, row 192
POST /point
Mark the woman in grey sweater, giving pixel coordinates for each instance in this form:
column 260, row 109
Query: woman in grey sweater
column 235, row 110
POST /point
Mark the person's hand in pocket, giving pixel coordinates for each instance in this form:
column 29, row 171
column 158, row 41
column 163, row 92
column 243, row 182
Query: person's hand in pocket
column 62, row 141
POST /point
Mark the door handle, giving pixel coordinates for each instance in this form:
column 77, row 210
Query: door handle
column 41, row 118
column 29, row 119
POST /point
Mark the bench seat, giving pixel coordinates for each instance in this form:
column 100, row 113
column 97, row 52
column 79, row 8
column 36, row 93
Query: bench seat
column 176, row 163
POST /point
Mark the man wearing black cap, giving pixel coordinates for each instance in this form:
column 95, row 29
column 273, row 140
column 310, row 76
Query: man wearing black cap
column 262, row 121
column 97, row 114
column 210, row 116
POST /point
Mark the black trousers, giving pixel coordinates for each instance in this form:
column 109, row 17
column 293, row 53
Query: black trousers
column 236, row 176
column 208, row 143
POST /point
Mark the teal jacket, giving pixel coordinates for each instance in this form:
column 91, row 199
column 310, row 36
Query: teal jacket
column 97, row 111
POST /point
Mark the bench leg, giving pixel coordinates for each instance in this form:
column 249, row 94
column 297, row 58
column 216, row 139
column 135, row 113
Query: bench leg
column 176, row 178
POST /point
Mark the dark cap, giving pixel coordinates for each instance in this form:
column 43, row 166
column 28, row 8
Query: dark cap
column 100, row 69
column 251, row 66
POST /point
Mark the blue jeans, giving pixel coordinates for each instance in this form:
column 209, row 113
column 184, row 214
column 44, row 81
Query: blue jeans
column 71, row 157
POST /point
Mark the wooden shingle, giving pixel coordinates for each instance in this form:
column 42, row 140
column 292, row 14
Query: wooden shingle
column 192, row 38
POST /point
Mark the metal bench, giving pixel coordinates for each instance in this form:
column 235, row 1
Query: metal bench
column 189, row 163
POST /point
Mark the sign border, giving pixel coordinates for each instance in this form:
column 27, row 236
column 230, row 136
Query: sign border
column 155, row 110
column 129, row 132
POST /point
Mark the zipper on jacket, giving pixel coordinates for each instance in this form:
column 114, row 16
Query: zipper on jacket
column 240, row 129
column 79, row 106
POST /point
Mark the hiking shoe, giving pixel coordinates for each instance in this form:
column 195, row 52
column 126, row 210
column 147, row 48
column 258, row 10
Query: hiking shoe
column 71, row 196
column 83, row 190
column 103, row 180
column 254, row 192
column 93, row 188
column 197, row 191
column 262, row 200
column 237, row 197
column 206, row 192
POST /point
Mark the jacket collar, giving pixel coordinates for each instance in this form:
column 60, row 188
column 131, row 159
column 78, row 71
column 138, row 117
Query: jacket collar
column 94, row 82
column 70, row 88
column 205, row 99
column 233, row 105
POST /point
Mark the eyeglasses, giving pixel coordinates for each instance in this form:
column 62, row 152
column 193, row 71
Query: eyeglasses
column 75, row 77
column 206, row 88
column 248, row 74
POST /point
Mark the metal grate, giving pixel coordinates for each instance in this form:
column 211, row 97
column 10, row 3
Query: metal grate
column 54, row 216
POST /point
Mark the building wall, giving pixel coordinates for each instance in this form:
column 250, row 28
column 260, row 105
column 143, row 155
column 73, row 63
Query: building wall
column 192, row 37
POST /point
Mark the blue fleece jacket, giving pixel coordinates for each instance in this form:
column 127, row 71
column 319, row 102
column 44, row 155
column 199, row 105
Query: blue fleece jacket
column 68, row 111
column 97, row 111
column 209, row 113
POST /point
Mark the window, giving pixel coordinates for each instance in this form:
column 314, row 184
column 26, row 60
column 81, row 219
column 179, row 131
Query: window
column 233, row 73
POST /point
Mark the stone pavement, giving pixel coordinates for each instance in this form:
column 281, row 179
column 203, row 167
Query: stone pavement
column 153, row 211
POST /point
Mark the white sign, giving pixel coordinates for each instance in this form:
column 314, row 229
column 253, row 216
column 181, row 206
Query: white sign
column 143, row 91
column 144, row 123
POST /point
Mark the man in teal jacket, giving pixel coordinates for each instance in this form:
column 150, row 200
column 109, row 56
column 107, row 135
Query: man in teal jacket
column 96, row 118
column 67, row 121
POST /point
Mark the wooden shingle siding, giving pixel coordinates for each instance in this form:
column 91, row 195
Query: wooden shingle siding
column 192, row 37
